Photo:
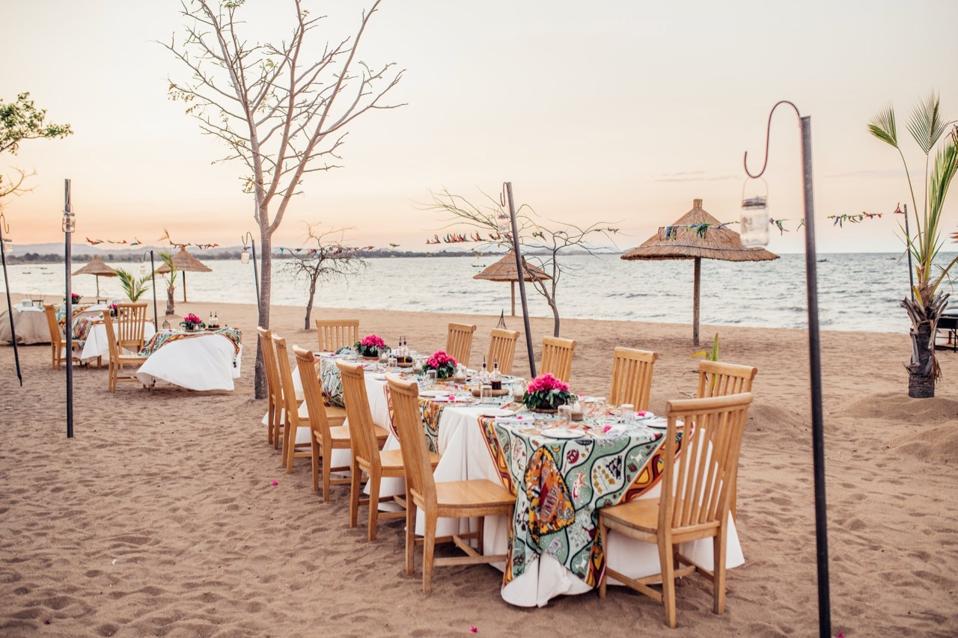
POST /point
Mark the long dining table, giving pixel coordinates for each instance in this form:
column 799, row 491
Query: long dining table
column 562, row 473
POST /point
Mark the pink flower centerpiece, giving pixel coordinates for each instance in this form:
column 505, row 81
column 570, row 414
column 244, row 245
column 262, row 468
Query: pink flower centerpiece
column 442, row 363
column 546, row 393
column 192, row 322
column 371, row 346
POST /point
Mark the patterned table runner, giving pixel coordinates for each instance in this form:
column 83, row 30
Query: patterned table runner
column 165, row 337
column 561, row 483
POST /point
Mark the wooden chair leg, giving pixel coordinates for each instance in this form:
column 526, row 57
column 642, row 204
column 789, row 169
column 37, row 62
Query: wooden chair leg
column 428, row 549
column 269, row 422
column 603, row 539
column 480, row 536
column 354, row 487
column 290, row 451
column 374, row 482
column 718, row 569
column 667, row 564
column 327, row 456
column 314, row 462
column 410, row 535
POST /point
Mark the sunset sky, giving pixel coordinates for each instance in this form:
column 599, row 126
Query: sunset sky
column 622, row 111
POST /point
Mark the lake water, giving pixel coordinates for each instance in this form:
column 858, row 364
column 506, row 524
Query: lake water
column 857, row 291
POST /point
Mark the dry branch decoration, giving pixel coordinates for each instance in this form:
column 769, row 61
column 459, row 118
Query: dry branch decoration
column 544, row 242
column 324, row 257
column 281, row 113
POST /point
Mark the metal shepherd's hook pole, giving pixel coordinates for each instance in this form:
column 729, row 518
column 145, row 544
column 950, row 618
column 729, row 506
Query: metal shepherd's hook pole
column 520, row 269
column 68, row 228
column 6, row 286
column 814, row 361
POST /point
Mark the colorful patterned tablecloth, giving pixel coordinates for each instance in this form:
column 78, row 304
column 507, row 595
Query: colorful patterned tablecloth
column 561, row 483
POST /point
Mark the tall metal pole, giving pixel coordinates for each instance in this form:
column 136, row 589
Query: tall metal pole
column 520, row 268
column 815, row 369
column 6, row 286
column 68, row 328
column 256, row 277
column 814, row 364
column 156, row 317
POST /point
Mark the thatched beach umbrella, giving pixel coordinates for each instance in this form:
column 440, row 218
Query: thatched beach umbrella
column 98, row 268
column 505, row 270
column 697, row 235
column 184, row 261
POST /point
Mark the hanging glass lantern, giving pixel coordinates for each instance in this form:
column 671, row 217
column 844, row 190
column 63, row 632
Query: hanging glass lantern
column 143, row 269
column 244, row 256
column 754, row 220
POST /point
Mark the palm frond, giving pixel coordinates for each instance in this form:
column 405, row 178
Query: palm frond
column 132, row 287
column 926, row 125
column 884, row 128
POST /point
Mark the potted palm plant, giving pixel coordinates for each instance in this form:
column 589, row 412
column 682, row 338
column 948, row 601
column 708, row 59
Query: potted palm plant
column 927, row 302
column 133, row 287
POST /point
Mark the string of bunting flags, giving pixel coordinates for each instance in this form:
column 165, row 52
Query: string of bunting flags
column 132, row 243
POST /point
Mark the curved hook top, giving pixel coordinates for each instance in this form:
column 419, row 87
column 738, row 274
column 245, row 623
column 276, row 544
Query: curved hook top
column 768, row 130
column 4, row 226
column 502, row 195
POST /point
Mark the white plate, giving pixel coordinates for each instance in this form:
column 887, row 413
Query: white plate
column 563, row 433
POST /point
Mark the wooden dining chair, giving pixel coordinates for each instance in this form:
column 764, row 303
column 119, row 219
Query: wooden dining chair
column 364, row 437
column 718, row 379
column 276, row 414
column 130, row 324
column 502, row 349
column 459, row 342
column 121, row 359
column 334, row 334
column 57, row 340
column 327, row 434
column 475, row 498
column 697, row 487
column 557, row 357
column 296, row 436
column 632, row 377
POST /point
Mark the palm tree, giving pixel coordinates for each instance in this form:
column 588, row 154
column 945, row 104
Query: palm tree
column 133, row 288
column 170, row 276
column 927, row 302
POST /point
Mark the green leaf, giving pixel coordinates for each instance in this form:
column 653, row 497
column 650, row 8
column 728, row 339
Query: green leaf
column 926, row 125
column 884, row 128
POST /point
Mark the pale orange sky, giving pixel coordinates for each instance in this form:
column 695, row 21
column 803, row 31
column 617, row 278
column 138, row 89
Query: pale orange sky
column 622, row 111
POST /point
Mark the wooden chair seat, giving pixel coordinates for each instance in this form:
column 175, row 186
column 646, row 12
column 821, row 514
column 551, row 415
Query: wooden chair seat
column 339, row 434
column 335, row 414
column 476, row 494
column 392, row 460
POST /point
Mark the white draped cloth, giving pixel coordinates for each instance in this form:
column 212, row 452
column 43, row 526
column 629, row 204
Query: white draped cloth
column 464, row 455
column 205, row 362
column 29, row 322
column 96, row 344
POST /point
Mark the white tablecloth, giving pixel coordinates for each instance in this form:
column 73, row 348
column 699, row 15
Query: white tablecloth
column 97, row 344
column 30, row 323
column 207, row 362
column 464, row 455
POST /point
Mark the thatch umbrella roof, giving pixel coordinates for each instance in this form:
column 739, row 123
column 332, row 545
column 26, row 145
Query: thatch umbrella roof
column 505, row 270
column 183, row 261
column 682, row 240
column 98, row 268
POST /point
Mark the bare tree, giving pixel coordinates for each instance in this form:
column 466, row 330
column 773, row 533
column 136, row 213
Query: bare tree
column 22, row 120
column 324, row 256
column 543, row 242
column 280, row 113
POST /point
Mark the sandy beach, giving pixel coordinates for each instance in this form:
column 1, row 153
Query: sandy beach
column 160, row 517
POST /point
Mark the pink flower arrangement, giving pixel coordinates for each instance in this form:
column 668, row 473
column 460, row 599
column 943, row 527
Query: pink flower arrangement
column 192, row 318
column 442, row 363
column 371, row 346
column 547, row 382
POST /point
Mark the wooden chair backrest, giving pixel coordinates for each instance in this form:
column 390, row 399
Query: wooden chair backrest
column 632, row 377
column 718, row 379
column 502, row 348
column 130, row 321
column 698, row 484
column 459, row 342
column 557, row 357
column 334, row 334
column 273, row 384
column 56, row 336
column 286, row 382
column 362, row 435
column 415, row 453
column 312, row 393
column 111, row 340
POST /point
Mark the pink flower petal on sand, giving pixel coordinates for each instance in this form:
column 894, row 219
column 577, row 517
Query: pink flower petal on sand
column 473, row 629
column 275, row 483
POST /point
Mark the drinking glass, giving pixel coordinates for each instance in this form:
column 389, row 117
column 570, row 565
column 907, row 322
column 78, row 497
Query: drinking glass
column 565, row 413
column 392, row 362
column 432, row 376
column 627, row 412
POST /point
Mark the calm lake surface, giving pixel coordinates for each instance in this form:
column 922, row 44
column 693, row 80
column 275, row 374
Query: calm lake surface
column 857, row 291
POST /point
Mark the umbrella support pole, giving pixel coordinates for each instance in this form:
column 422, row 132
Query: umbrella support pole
column 97, row 277
column 512, row 287
column 696, row 294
